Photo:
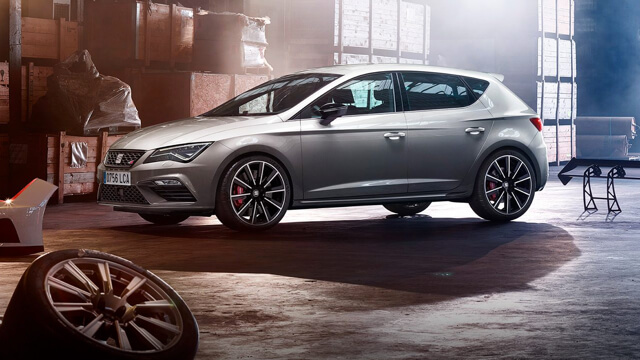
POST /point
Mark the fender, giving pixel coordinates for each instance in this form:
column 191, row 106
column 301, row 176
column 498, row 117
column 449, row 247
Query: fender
column 467, row 185
column 293, row 171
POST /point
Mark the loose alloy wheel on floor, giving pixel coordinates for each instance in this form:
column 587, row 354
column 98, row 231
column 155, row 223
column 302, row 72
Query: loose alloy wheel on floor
column 505, row 187
column 160, row 219
column 254, row 194
column 407, row 209
column 80, row 304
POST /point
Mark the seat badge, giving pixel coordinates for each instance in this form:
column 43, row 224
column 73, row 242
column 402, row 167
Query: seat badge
column 119, row 158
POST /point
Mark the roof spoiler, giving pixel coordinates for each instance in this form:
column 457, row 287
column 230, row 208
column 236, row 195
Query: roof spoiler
column 500, row 77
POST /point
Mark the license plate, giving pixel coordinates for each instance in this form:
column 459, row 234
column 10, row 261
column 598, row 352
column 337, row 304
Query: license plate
column 117, row 178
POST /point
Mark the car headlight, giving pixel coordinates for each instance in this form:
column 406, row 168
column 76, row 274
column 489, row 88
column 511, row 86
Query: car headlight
column 180, row 153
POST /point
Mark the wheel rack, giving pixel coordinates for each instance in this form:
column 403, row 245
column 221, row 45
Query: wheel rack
column 617, row 170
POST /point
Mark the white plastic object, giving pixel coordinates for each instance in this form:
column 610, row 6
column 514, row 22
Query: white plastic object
column 21, row 219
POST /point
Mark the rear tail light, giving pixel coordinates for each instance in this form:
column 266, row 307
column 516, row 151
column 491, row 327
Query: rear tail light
column 537, row 123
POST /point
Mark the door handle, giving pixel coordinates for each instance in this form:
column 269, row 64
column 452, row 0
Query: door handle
column 394, row 135
column 474, row 130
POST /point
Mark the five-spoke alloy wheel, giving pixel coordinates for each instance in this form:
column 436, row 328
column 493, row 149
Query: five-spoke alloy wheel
column 254, row 194
column 505, row 187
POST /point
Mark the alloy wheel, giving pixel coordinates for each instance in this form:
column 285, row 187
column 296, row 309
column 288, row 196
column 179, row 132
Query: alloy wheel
column 508, row 184
column 113, row 305
column 258, row 193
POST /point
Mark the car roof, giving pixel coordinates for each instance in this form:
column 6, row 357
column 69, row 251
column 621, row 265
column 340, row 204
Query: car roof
column 357, row 69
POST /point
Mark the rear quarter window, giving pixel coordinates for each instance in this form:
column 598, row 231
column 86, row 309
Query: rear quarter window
column 478, row 86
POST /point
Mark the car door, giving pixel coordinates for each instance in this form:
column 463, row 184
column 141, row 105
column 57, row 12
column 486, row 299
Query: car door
column 362, row 153
column 447, row 128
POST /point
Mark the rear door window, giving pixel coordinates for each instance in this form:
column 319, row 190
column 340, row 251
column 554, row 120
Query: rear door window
column 429, row 91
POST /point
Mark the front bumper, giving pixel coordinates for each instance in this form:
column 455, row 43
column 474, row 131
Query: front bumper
column 195, row 194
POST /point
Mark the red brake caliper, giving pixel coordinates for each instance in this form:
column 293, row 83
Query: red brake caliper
column 494, row 195
column 238, row 202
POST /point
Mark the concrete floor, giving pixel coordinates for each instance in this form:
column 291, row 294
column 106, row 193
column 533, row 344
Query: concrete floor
column 358, row 283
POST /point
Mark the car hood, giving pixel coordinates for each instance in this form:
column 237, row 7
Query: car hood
column 196, row 129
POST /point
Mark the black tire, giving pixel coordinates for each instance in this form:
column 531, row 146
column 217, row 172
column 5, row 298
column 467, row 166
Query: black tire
column 262, row 199
column 160, row 219
column 489, row 201
column 34, row 329
column 407, row 209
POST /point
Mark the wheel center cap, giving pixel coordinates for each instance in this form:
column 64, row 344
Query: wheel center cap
column 505, row 185
column 255, row 193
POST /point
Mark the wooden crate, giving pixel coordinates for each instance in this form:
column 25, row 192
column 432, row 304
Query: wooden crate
column 229, row 43
column 34, row 86
column 165, row 33
column 162, row 97
column 48, row 39
column 123, row 33
column 38, row 155
column 75, row 181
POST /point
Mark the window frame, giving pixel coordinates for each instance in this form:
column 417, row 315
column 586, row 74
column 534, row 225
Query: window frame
column 397, row 97
column 405, row 97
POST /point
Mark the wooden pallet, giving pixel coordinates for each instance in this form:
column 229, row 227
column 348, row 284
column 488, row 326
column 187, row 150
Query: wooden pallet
column 48, row 156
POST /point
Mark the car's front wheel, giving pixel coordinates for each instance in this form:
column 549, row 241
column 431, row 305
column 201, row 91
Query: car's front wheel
column 407, row 209
column 504, row 187
column 159, row 219
column 254, row 194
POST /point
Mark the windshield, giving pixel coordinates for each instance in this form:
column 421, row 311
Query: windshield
column 273, row 97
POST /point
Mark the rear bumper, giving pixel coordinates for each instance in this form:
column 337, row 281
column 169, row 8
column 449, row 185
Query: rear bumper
column 539, row 150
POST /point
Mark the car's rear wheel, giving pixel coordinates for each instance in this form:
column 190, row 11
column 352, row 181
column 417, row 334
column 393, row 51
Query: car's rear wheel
column 254, row 194
column 407, row 209
column 160, row 219
column 505, row 187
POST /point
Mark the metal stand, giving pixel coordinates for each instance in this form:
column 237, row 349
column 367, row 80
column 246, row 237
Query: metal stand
column 593, row 170
column 612, row 200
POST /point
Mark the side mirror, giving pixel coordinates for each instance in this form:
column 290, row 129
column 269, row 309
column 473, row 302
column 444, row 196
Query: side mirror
column 332, row 111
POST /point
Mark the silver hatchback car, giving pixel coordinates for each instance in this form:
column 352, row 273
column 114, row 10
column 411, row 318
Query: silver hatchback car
column 401, row 136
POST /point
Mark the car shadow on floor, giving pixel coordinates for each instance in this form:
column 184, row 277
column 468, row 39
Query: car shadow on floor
column 450, row 257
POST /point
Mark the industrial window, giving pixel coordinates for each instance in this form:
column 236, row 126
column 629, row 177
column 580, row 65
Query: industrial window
column 477, row 86
column 369, row 94
column 428, row 91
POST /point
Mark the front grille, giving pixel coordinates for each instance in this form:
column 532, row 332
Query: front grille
column 122, row 158
column 178, row 193
column 121, row 194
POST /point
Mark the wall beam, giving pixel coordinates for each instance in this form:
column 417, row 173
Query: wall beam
column 15, row 64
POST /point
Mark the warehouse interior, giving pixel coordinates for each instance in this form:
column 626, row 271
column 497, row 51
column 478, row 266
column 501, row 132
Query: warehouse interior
column 83, row 82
